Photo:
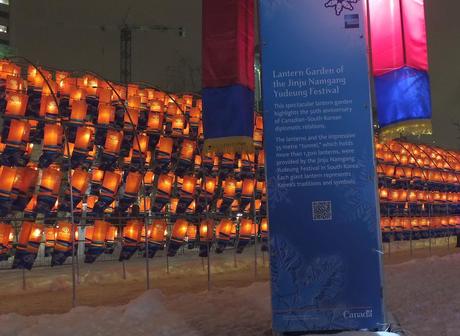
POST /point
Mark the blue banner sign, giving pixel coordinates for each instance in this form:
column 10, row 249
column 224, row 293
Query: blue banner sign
column 323, row 210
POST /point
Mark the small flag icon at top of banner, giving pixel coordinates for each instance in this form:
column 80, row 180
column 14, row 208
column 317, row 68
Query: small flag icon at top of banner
column 400, row 67
column 228, row 75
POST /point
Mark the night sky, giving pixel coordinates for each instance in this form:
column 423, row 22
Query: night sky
column 67, row 35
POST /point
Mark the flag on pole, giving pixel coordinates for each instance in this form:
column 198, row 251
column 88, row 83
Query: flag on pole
column 400, row 67
column 228, row 75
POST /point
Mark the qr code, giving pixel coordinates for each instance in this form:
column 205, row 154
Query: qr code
column 322, row 211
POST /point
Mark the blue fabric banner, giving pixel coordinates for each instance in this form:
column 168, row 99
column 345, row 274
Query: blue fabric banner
column 403, row 94
column 322, row 195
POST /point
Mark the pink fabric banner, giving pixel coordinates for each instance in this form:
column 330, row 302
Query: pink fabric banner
column 398, row 35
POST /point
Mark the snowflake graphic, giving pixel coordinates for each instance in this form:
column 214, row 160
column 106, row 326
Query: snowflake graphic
column 340, row 5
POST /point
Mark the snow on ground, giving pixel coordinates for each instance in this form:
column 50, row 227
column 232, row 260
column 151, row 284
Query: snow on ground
column 422, row 293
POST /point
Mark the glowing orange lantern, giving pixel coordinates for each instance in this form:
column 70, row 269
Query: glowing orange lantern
column 16, row 104
column 79, row 110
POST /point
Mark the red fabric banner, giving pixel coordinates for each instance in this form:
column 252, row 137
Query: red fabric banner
column 228, row 43
column 398, row 35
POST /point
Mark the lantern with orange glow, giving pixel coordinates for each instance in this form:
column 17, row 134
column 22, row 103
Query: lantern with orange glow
column 246, row 232
column 178, row 125
column 194, row 121
column 186, row 157
column 78, row 112
column 16, row 141
column 52, row 144
column 264, row 233
column 7, row 178
column 132, row 186
column 50, row 237
column 9, row 69
column 48, row 189
column 106, row 114
column 97, row 245
column 148, row 181
column 24, row 184
column 155, row 122
column 83, row 144
column 186, row 193
column 108, row 189
column 208, row 188
column 206, row 237
column 49, row 110
column 63, row 243
column 131, row 118
column 229, row 194
column 258, row 131
column 140, row 145
column 156, row 237
column 29, row 240
column 111, row 151
column 16, row 104
column 223, row 231
column 178, row 235
column 79, row 184
column 131, row 239
column 191, row 236
column 163, row 193
column 247, row 192
column 163, row 153
column 112, row 232
column 5, row 232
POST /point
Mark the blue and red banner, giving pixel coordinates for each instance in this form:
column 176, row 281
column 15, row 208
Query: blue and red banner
column 400, row 67
column 228, row 74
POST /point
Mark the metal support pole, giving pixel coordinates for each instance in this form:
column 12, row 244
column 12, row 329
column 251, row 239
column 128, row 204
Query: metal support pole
column 24, row 287
column 124, row 269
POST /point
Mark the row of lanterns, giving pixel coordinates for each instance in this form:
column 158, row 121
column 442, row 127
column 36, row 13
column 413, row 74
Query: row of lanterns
column 101, row 238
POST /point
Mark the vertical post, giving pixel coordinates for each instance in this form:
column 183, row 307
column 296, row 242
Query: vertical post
column 24, row 287
column 147, row 264
column 124, row 269
column 209, row 264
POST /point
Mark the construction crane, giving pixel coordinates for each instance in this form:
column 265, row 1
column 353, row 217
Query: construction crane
column 126, row 44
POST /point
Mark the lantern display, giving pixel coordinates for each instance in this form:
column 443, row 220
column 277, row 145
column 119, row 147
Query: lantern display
column 246, row 232
column 158, row 140
column 5, row 232
column 186, row 157
column 112, row 232
column 178, row 235
column 206, row 237
column 156, row 237
column 264, row 234
column 163, row 193
column 191, row 236
column 229, row 186
column 83, row 144
column 48, row 189
column 79, row 185
column 52, row 144
column 140, row 145
column 50, row 236
column 97, row 245
column 163, row 152
column 16, row 104
column 247, row 192
column 112, row 146
column 63, row 243
column 7, row 178
column 186, row 193
column 223, row 231
column 29, row 240
column 131, row 238
column 132, row 186
column 108, row 189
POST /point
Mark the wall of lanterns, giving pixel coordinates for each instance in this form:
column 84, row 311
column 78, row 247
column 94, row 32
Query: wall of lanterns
column 419, row 188
column 79, row 151
column 115, row 160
